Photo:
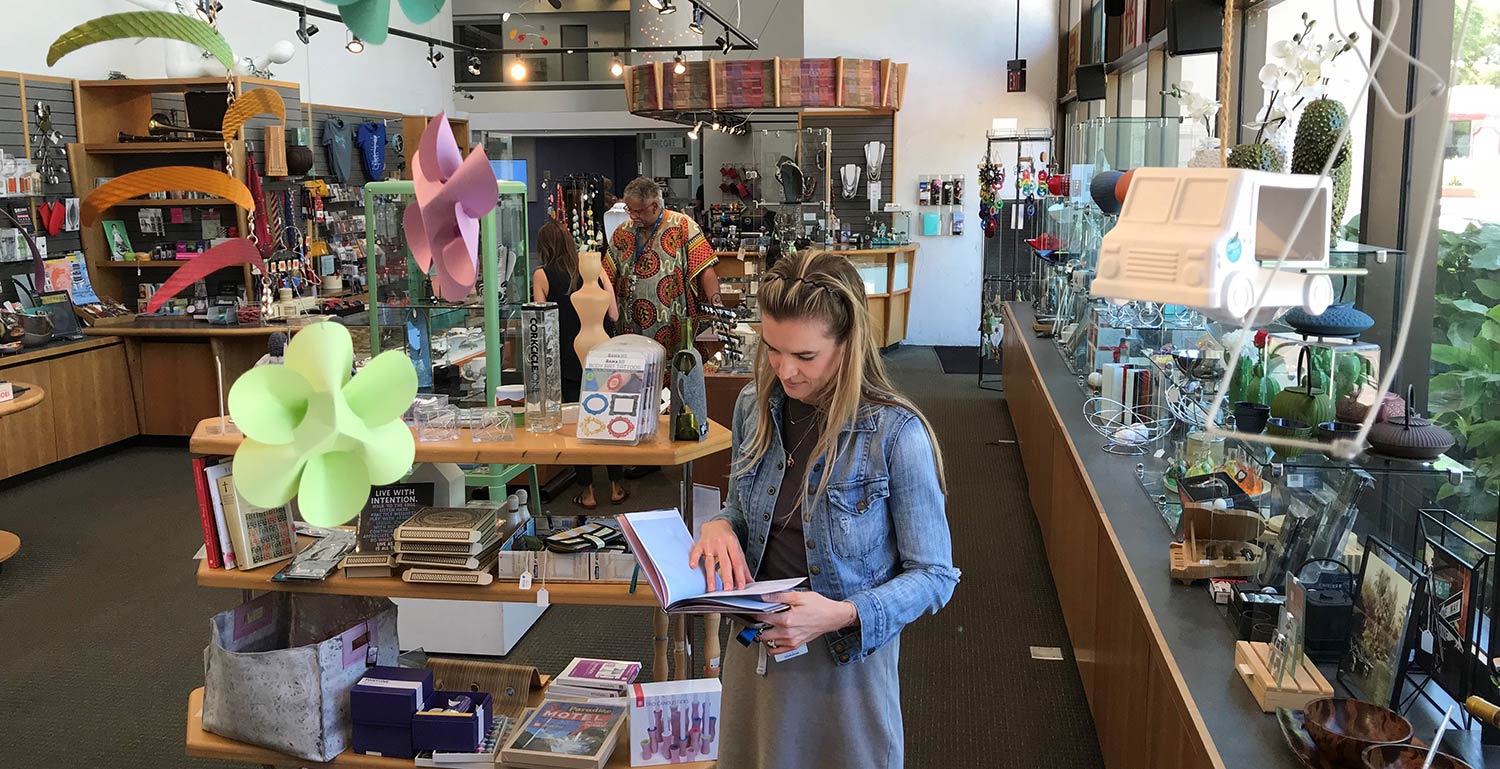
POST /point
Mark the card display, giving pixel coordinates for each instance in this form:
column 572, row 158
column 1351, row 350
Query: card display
column 620, row 398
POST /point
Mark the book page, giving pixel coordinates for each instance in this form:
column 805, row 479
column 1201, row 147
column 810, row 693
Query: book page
column 662, row 542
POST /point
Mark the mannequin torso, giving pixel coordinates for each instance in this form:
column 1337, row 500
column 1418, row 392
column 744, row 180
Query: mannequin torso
column 591, row 301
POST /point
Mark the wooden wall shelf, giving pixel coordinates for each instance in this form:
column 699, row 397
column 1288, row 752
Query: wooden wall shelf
column 176, row 202
column 150, row 148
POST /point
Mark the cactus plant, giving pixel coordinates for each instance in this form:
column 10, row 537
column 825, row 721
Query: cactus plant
column 1317, row 133
column 1256, row 157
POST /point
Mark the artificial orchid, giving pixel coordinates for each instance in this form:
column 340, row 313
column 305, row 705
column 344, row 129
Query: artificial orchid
column 1296, row 74
column 1196, row 105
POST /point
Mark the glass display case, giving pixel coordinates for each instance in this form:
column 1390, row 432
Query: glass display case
column 793, row 177
column 458, row 348
column 1121, row 143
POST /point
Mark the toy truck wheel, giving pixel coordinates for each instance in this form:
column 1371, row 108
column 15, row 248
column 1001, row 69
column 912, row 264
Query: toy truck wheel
column 1239, row 295
column 1317, row 294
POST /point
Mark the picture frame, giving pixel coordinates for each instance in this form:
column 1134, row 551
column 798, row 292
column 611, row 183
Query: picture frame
column 1456, row 545
column 1390, row 587
column 117, row 240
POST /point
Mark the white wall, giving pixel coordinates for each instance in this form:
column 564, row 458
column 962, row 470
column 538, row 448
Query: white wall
column 957, row 50
column 394, row 76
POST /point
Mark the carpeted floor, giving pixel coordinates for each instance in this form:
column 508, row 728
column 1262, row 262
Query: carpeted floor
column 958, row 360
column 102, row 627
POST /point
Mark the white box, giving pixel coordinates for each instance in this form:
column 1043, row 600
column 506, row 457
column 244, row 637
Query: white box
column 567, row 567
column 674, row 722
column 511, row 564
column 463, row 627
column 614, row 567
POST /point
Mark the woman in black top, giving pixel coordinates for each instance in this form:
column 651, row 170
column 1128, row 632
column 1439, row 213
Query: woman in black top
column 555, row 281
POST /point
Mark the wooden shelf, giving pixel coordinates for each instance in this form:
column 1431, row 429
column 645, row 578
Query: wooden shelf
column 576, row 593
column 149, row 148
column 559, row 448
column 177, row 202
column 130, row 264
column 178, row 84
column 201, row 744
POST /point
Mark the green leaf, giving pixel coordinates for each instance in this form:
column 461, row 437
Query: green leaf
column 1494, row 313
column 1490, row 330
column 1447, row 355
column 1488, row 287
column 1467, row 305
column 138, row 24
column 1487, row 258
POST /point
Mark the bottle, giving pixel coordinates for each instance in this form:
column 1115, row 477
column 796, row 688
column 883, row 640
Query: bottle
column 1484, row 710
column 542, row 366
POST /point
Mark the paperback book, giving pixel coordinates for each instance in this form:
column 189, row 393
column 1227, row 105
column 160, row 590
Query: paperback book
column 661, row 542
column 388, row 507
column 566, row 735
column 447, row 524
column 608, row 677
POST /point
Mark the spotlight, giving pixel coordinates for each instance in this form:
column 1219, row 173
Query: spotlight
column 504, row 17
column 354, row 44
column 725, row 44
column 716, row 125
column 474, row 66
column 305, row 31
column 616, row 68
column 693, row 134
column 518, row 70
column 208, row 9
column 433, row 56
column 556, row 4
column 467, row 95
column 663, row 6
column 697, row 24
column 679, row 66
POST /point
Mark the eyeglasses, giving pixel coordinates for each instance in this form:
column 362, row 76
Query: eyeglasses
column 646, row 210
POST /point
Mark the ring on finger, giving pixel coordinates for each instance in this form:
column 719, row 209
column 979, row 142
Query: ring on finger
column 771, row 644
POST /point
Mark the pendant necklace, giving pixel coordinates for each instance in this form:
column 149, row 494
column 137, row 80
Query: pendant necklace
column 790, row 454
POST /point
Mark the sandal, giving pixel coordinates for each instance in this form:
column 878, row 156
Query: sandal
column 578, row 500
column 621, row 500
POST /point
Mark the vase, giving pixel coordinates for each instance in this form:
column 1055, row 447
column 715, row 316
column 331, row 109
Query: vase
column 541, row 365
column 1260, row 156
column 1207, row 155
column 1281, row 138
column 1317, row 133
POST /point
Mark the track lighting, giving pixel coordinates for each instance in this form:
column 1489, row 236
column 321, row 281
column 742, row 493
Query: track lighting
column 693, row 133
column 518, row 70
column 467, row 95
column 474, row 66
column 663, row 6
column 696, row 26
column 208, row 9
column 725, row 44
column 305, row 31
column 353, row 44
column 716, row 125
column 433, row 56
column 616, row 68
column 679, row 66
column 504, row 17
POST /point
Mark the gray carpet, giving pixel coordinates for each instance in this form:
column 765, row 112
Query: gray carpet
column 102, row 627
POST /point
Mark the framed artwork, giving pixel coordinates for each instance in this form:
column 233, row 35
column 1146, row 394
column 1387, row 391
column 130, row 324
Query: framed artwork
column 118, row 240
column 1389, row 587
column 1450, row 646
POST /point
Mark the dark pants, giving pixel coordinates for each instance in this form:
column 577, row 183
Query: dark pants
column 585, row 473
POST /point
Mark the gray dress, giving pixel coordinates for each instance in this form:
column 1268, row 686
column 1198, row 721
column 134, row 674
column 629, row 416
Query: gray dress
column 807, row 711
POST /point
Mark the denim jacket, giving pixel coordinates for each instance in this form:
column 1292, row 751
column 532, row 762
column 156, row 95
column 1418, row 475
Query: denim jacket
column 879, row 536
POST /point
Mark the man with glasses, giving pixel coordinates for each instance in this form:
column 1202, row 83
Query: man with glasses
column 651, row 258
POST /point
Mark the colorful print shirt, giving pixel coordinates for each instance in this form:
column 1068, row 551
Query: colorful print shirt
column 648, row 277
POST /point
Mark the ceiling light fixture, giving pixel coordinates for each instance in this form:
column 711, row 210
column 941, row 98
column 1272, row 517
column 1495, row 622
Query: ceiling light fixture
column 208, row 9
column 617, row 68
column 679, row 66
column 433, row 56
column 725, row 44
column 696, row 26
column 716, row 125
column 504, row 17
column 352, row 43
column 518, row 70
column 663, row 6
column 474, row 66
column 693, row 133
column 305, row 31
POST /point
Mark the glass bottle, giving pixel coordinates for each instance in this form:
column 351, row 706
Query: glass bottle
column 541, row 365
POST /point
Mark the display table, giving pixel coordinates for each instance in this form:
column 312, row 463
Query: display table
column 174, row 366
column 10, row 544
column 1156, row 658
column 201, row 744
column 87, row 404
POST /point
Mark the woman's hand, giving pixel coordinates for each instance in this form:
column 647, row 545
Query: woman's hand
column 718, row 549
column 812, row 614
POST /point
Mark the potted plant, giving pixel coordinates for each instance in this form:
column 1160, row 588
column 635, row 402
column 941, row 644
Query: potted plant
column 1199, row 107
column 1293, row 77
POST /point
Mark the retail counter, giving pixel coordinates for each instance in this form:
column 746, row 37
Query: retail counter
column 173, row 369
column 887, row 273
column 88, row 403
column 1156, row 657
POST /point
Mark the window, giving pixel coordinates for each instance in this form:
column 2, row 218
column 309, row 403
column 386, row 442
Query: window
column 1459, row 134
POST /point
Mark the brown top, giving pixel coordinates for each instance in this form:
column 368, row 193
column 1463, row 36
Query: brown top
column 786, row 550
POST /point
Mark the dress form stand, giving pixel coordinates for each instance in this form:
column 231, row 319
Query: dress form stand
column 592, row 302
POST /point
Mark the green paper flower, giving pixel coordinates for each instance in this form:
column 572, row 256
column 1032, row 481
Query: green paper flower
column 314, row 432
column 368, row 19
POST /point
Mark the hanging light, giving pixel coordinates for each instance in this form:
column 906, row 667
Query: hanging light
column 474, row 66
column 504, row 17
column 353, row 44
column 696, row 26
column 433, row 56
column 725, row 44
column 305, row 31
column 679, row 65
column 693, row 133
column 518, row 70
column 716, row 125
column 663, row 6
column 616, row 67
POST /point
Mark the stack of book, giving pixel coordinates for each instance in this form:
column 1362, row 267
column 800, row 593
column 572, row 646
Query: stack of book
column 585, row 678
column 564, row 735
column 237, row 534
column 388, row 507
column 450, row 545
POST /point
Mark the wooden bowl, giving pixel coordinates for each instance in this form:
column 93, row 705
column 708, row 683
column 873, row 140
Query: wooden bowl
column 1344, row 728
column 1407, row 757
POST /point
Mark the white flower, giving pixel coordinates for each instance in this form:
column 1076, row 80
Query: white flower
column 1269, row 74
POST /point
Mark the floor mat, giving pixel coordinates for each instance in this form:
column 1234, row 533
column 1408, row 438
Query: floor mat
column 958, row 360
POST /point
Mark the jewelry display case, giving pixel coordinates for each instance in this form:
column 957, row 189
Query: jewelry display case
column 793, row 178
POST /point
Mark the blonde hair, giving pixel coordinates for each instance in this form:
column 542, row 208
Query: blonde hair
column 817, row 285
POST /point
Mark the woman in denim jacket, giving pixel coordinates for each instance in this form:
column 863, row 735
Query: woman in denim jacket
column 837, row 478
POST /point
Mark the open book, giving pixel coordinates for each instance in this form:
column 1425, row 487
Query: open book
column 661, row 543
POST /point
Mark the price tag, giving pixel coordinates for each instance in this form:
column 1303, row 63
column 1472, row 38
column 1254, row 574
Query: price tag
column 526, row 580
column 1159, row 454
column 542, row 599
column 1296, row 481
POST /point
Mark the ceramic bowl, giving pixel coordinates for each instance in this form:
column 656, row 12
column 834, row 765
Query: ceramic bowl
column 1250, row 417
column 1331, row 431
column 1288, row 428
column 1407, row 757
column 1198, row 364
column 1344, row 728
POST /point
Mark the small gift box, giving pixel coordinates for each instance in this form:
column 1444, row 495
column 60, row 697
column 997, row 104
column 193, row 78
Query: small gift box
column 456, row 721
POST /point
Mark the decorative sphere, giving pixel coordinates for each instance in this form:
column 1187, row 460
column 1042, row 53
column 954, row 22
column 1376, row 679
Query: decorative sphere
column 1102, row 190
column 1123, row 185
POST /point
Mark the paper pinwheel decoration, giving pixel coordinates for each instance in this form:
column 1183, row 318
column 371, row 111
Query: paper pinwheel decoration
column 314, row 432
column 369, row 19
column 453, row 193
column 139, row 24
